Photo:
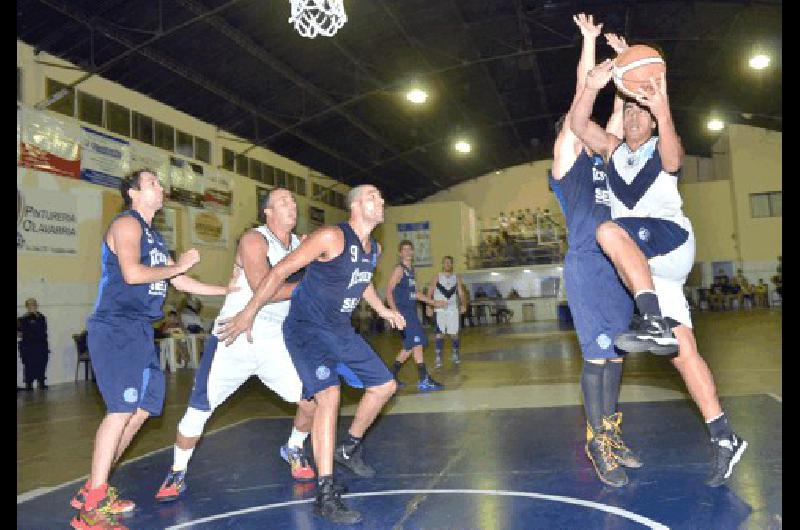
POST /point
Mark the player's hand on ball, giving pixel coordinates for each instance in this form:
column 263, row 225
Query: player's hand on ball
column 228, row 329
column 617, row 43
column 655, row 97
column 600, row 75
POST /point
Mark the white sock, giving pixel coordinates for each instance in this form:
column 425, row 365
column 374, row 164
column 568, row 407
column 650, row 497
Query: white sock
column 297, row 438
column 181, row 458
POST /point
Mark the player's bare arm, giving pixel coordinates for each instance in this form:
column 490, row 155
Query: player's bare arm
column 394, row 279
column 124, row 238
column 669, row 143
column 395, row 319
column 614, row 124
column 323, row 244
column 462, row 299
column 591, row 134
column 252, row 258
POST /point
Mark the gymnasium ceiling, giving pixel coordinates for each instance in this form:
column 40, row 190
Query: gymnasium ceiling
column 499, row 71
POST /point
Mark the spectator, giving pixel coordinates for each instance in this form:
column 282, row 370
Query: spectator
column 513, row 295
column 33, row 348
column 172, row 327
column 480, row 293
column 777, row 280
column 744, row 291
column 190, row 316
column 761, row 291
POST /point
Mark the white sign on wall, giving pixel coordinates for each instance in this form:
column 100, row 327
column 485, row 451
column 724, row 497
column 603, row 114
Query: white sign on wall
column 420, row 236
column 47, row 222
column 105, row 159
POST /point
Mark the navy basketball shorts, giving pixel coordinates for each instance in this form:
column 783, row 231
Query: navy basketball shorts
column 413, row 334
column 317, row 351
column 600, row 304
column 126, row 365
column 669, row 248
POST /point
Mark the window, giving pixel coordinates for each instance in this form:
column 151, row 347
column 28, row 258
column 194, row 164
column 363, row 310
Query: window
column 340, row 201
column 280, row 178
column 228, row 159
column 300, row 185
column 118, row 119
column 202, row 149
column 19, row 84
column 184, row 144
column 143, row 128
column 65, row 105
column 255, row 170
column 242, row 167
column 164, row 136
column 317, row 192
column 290, row 182
column 90, row 109
column 766, row 204
column 268, row 174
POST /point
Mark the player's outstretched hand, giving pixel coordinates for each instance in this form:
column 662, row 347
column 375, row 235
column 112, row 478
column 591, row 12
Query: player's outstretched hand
column 587, row 26
column 655, row 98
column 228, row 329
column 395, row 319
column 617, row 43
column 188, row 259
column 600, row 75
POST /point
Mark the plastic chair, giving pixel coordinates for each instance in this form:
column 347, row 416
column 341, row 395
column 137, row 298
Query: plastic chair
column 82, row 347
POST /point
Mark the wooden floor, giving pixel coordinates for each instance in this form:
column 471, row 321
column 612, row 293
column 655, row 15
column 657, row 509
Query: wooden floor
column 506, row 367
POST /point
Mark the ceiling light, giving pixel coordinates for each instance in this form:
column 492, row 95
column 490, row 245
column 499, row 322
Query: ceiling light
column 759, row 62
column 462, row 146
column 417, row 96
column 495, row 274
column 715, row 125
column 527, row 270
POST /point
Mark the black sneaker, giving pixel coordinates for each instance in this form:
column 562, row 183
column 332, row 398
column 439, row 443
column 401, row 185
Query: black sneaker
column 648, row 334
column 624, row 454
column 727, row 452
column 351, row 458
column 600, row 452
column 329, row 505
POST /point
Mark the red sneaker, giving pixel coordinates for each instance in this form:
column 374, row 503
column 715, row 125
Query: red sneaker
column 301, row 469
column 117, row 506
column 172, row 487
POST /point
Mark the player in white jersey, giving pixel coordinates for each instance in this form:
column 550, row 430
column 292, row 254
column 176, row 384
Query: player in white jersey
column 225, row 368
column 651, row 243
column 447, row 286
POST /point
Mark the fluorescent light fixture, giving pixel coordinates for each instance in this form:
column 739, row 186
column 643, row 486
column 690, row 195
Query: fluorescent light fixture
column 715, row 125
column 462, row 146
column 495, row 274
column 417, row 96
column 759, row 62
column 527, row 270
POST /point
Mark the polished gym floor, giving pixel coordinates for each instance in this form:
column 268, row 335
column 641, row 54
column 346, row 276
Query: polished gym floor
column 500, row 447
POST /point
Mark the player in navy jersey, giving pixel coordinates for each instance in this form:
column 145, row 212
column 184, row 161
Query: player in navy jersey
column 651, row 243
column 402, row 296
column 601, row 306
column 318, row 332
column 133, row 286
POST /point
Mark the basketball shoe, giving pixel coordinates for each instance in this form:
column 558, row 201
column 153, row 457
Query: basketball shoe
column 172, row 487
column 648, row 333
column 727, row 453
column 296, row 458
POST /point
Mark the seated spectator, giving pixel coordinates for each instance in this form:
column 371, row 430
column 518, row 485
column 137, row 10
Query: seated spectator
column 761, row 291
column 480, row 293
column 743, row 289
column 172, row 327
column 190, row 316
column 777, row 280
column 513, row 295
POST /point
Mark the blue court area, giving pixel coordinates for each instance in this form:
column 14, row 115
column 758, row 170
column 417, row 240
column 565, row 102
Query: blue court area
column 517, row 468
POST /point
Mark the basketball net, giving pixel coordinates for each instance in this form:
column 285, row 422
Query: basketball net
column 317, row 17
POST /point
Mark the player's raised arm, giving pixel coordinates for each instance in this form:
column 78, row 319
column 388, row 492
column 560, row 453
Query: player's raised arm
column 669, row 143
column 591, row 134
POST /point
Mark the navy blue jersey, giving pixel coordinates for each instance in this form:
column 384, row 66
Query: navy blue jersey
column 331, row 290
column 115, row 298
column 405, row 292
column 584, row 199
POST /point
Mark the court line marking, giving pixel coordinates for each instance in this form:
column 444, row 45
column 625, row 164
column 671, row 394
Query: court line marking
column 644, row 521
column 37, row 492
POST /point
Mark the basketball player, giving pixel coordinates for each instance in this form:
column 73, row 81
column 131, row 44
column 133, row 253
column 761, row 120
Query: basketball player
column 133, row 287
column 651, row 244
column 339, row 261
column 224, row 368
column 600, row 305
column 446, row 286
column 402, row 296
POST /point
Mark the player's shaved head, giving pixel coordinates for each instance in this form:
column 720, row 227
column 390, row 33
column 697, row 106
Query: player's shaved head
column 356, row 192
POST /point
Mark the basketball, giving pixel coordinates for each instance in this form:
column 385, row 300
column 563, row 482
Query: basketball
column 635, row 66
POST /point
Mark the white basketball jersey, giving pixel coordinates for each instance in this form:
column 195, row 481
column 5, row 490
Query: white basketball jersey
column 235, row 301
column 639, row 186
column 448, row 283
